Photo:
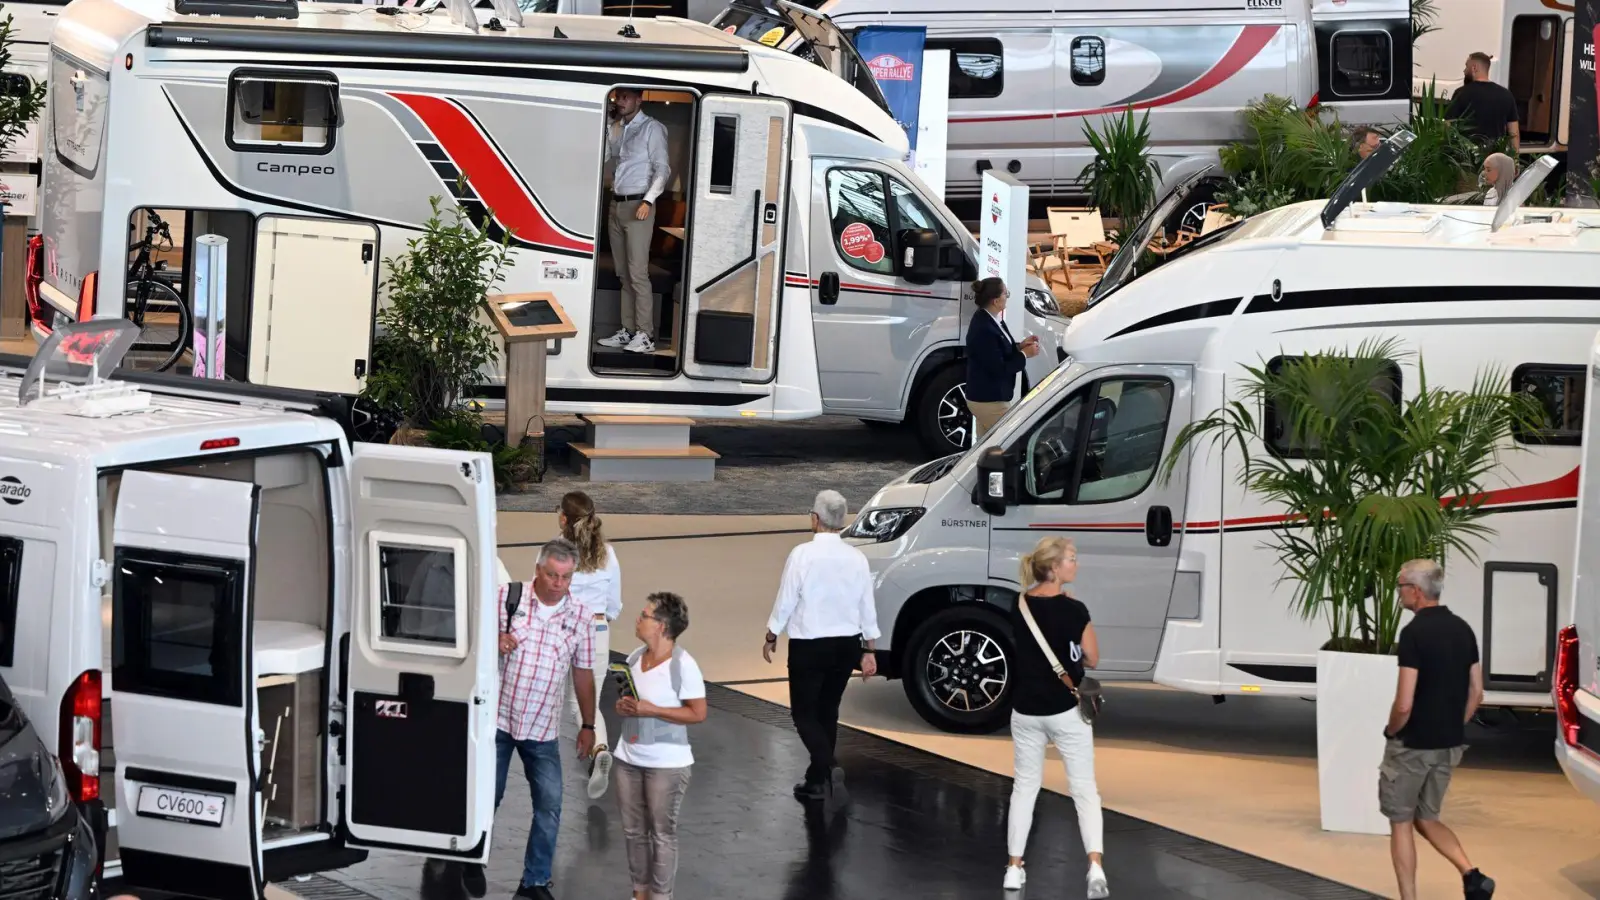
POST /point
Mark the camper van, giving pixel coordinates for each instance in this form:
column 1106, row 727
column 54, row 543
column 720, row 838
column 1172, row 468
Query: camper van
column 798, row 266
column 1576, row 693
column 239, row 631
column 1531, row 43
column 1183, row 589
column 1026, row 79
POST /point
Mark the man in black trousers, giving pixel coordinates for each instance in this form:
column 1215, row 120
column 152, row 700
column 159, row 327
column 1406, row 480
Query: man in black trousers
column 825, row 604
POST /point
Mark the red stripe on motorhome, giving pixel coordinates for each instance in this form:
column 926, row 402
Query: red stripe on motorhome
column 490, row 176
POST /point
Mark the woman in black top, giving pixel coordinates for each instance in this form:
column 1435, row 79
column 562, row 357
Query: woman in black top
column 994, row 358
column 1045, row 706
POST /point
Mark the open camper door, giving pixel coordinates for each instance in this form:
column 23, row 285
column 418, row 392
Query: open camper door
column 736, row 238
column 181, row 574
column 422, row 689
column 831, row 49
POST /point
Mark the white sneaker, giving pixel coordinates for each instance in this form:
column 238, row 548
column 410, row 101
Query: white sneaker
column 620, row 339
column 1097, row 883
column 600, row 774
column 641, row 343
column 1015, row 878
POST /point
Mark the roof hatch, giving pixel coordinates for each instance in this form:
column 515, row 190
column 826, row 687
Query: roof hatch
column 83, row 351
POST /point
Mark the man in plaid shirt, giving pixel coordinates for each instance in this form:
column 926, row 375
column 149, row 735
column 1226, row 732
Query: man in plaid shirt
column 544, row 637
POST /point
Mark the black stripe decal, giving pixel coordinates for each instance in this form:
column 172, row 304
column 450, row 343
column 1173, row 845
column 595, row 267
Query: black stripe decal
column 181, row 782
column 1207, row 310
column 1452, row 293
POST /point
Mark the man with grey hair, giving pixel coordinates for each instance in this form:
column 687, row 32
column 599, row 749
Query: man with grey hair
column 544, row 636
column 825, row 604
column 1437, row 693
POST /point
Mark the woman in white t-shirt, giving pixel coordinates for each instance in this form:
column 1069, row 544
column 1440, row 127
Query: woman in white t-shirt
column 654, row 758
column 597, row 586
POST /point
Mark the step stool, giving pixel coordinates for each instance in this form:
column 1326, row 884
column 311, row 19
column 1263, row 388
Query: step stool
column 642, row 448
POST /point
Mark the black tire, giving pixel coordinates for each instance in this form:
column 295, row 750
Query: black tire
column 161, row 341
column 366, row 423
column 957, row 670
column 1192, row 213
column 944, row 426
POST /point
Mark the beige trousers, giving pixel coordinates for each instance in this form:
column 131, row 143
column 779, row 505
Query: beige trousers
column 985, row 415
column 650, row 800
column 630, row 253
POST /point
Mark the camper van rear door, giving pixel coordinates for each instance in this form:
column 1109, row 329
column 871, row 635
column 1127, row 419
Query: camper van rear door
column 422, row 690
column 189, row 815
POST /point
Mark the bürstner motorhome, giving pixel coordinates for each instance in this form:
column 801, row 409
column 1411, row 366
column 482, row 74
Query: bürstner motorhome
column 242, row 630
column 1183, row 588
column 1576, row 692
column 1027, row 76
column 1531, row 42
column 799, row 266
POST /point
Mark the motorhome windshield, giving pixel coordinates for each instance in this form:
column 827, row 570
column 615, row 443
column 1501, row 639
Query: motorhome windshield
column 1130, row 260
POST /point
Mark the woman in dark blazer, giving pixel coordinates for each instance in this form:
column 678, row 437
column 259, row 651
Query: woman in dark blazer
column 994, row 357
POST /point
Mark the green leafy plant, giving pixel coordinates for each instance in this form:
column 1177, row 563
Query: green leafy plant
column 1441, row 161
column 18, row 108
column 1381, row 482
column 462, row 429
column 1424, row 15
column 433, row 342
column 1123, row 178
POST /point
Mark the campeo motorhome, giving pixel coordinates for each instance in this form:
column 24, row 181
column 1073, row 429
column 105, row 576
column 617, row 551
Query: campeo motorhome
column 800, row 268
column 1182, row 587
column 1025, row 77
column 248, row 629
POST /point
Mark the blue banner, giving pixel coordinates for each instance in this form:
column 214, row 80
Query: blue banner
column 895, row 57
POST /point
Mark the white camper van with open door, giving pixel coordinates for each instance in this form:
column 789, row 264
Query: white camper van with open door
column 249, row 630
column 797, row 264
column 1183, row 588
column 1577, row 680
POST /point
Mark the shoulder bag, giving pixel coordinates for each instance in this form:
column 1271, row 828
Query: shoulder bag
column 1090, row 699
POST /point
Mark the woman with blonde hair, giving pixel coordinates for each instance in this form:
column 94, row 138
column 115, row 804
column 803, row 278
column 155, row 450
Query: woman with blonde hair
column 597, row 584
column 1055, row 645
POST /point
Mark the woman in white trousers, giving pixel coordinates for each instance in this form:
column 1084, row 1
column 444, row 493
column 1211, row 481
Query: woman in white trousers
column 597, row 584
column 1045, row 707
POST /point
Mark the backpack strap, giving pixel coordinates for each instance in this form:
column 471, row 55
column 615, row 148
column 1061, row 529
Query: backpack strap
column 677, row 672
column 513, row 602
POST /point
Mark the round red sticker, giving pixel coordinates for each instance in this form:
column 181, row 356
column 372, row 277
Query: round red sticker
column 874, row 253
column 856, row 239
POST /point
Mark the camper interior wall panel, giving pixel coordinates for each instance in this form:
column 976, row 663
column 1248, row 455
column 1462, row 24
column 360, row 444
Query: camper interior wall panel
column 315, row 288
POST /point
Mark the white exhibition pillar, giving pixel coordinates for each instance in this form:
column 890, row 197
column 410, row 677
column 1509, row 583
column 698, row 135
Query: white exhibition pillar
column 933, row 120
column 210, row 306
column 1003, row 236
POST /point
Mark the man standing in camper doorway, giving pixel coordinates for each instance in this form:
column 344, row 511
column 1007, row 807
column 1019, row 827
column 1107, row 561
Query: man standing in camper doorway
column 1438, row 691
column 1487, row 111
column 636, row 152
column 544, row 634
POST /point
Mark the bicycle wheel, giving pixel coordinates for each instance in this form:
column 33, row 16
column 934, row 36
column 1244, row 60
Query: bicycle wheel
column 165, row 328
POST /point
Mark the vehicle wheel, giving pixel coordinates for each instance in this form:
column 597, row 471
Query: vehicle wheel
column 369, row 424
column 1192, row 214
column 942, row 421
column 958, row 672
column 165, row 333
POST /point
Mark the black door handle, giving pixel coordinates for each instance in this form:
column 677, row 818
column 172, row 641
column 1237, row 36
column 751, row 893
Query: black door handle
column 1158, row 526
column 828, row 288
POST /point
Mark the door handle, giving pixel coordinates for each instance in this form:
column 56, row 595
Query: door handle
column 828, row 288
column 1158, row 526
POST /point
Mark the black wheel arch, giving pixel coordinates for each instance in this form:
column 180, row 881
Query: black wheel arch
column 929, row 602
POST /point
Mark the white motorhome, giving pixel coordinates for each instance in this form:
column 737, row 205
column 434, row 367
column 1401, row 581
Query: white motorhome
column 248, row 629
column 1026, row 77
column 800, row 266
column 1182, row 587
column 1531, row 44
column 1576, row 692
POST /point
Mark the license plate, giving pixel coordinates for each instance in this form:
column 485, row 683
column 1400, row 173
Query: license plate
column 181, row 806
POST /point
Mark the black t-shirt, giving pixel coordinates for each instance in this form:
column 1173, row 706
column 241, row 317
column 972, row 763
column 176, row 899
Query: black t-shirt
column 1483, row 108
column 1440, row 645
column 1035, row 688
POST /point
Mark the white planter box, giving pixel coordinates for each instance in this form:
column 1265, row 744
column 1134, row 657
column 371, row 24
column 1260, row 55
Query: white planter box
column 1354, row 693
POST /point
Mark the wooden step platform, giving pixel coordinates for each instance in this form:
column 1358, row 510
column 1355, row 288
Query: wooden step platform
column 642, row 448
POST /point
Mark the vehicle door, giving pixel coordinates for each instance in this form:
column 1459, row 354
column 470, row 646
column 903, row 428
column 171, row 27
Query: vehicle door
column 181, row 570
column 737, row 223
column 422, row 688
column 871, row 325
column 1089, row 471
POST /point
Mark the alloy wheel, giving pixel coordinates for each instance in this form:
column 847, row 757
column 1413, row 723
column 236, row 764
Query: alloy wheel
column 967, row 671
column 955, row 420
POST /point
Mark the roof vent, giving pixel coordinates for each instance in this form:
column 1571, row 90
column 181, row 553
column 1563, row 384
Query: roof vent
column 78, row 355
column 244, row 9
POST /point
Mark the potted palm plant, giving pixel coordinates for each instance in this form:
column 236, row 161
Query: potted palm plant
column 1374, row 480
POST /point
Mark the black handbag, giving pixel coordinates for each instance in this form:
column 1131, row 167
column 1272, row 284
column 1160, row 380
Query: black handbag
column 1090, row 697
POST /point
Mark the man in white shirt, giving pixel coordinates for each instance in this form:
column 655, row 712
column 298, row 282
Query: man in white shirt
column 636, row 149
column 825, row 604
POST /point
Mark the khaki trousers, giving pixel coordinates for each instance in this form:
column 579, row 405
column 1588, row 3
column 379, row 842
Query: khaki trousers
column 985, row 415
column 630, row 253
column 650, row 800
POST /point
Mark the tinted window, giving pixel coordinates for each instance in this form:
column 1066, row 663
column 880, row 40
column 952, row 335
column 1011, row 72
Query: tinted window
column 1362, row 63
column 1106, row 452
column 418, row 594
column 176, row 626
column 284, row 113
column 860, row 219
column 977, row 67
column 909, row 211
column 10, row 586
column 1560, row 393
column 1277, row 423
column 1088, row 61
column 724, row 144
column 77, row 113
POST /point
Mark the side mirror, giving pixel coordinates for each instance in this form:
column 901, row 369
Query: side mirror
column 954, row 264
column 997, row 483
column 918, row 262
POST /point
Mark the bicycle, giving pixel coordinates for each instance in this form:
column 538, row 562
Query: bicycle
column 160, row 338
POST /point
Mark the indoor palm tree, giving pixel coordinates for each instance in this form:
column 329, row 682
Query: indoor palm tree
column 1374, row 480
column 1123, row 178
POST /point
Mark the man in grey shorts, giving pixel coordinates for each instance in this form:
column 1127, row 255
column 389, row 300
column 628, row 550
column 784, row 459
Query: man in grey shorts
column 1438, row 691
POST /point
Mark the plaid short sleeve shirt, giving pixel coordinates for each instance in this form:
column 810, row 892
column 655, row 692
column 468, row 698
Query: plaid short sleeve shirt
column 533, row 677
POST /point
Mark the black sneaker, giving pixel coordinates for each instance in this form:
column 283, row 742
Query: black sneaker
column 473, row 880
column 534, row 892
column 1478, row 886
column 807, row 791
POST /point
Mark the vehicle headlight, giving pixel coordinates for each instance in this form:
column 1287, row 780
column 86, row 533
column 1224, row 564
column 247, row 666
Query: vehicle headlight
column 1040, row 303
column 56, row 784
column 884, row 524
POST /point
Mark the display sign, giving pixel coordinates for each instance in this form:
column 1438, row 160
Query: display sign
column 19, row 191
column 529, row 317
column 1583, row 130
column 933, row 121
column 894, row 55
column 1003, row 236
column 210, row 306
column 858, row 242
column 25, row 148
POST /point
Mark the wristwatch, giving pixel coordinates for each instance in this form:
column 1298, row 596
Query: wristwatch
column 587, row 727
column 772, row 638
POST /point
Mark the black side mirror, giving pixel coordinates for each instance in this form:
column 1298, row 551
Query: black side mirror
column 918, row 261
column 997, row 483
column 954, row 264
